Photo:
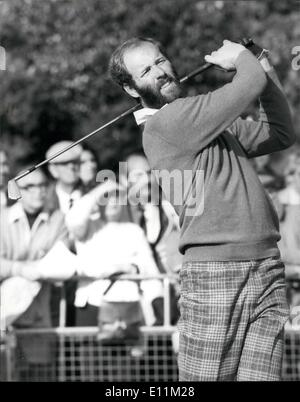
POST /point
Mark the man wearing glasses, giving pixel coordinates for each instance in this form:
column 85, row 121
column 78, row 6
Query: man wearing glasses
column 65, row 169
column 29, row 230
column 63, row 193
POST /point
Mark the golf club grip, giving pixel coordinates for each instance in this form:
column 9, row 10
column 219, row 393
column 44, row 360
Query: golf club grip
column 244, row 41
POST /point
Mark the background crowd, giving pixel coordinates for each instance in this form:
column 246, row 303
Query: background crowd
column 67, row 225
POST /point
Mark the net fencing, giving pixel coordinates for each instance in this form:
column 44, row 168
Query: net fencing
column 68, row 354
column 75, row 354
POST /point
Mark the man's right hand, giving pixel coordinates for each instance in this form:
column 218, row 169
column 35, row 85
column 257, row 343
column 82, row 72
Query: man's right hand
column 226, row 55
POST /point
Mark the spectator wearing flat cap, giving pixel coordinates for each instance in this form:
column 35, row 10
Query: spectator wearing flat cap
column 64, row 192
column 65, row 169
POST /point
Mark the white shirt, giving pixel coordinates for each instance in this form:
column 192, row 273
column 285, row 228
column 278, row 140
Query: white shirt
column 64, row 198
column 142, row 115
column 116, row 243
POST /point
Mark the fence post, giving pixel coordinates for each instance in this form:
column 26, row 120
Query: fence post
column 10, row 348
column 61, row 343
column 167, row 315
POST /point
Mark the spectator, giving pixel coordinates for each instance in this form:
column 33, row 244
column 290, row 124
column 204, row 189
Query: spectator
column 89, row 166
column 157, row 218
column 4, row 173
column 29, row 230
column 291, row 194
column 290, row 164
column 287, row 203
column 271, row 181
column 289, row 244
column 153, row 213
column 65, row 170
column 105, row 245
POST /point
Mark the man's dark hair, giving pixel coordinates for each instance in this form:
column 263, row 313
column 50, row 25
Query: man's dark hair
column 117, row 68
column 89, row 148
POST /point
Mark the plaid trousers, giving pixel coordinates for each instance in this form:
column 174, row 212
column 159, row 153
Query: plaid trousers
column 232, row 320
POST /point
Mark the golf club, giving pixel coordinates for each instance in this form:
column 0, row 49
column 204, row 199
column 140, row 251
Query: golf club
column 13, row 189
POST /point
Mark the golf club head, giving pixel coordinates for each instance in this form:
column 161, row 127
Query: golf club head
column 13, row 190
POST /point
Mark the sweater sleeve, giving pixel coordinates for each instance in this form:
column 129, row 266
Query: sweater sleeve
column 274, row 131
column 192, row 123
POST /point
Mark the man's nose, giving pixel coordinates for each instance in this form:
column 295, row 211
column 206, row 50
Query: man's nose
column 73, row 165
column 159, row 72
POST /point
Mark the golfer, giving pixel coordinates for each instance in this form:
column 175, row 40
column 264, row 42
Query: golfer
column 233, row 297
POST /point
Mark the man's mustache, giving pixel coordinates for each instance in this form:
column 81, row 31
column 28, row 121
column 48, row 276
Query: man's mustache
column 167, row 79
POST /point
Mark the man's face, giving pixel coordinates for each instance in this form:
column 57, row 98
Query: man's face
column 137, row 167
column 4, row 169
column 66, row 172
column 33, row 188
column 154, row 78
column 88, row 167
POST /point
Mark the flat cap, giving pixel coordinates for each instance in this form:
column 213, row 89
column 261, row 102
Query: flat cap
column 70, row 155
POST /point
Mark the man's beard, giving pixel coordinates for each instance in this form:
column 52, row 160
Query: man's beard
column 152, row 97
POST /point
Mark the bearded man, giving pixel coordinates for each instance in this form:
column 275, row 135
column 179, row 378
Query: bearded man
column 233, row 299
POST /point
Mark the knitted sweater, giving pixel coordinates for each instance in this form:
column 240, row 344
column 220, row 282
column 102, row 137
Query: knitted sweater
column 203, row 138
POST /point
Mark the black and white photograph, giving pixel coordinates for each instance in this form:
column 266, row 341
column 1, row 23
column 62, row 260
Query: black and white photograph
column 149, row 193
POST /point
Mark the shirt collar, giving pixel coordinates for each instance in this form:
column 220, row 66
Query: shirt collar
column 76, row 193
column 142, row 115
column 64, row 198
column 17, row 212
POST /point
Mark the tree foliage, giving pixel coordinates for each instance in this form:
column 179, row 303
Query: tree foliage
column 56, row 84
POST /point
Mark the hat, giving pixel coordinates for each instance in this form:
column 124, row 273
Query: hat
column 70, row 155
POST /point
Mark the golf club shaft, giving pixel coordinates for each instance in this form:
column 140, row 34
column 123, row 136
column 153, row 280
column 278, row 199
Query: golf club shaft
column 204, row 67
column 124, row 114
column 195, row 72
column 121, row 116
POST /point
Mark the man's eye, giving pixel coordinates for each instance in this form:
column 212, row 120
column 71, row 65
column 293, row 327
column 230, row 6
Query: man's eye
column 160, row 61
column 145, row 71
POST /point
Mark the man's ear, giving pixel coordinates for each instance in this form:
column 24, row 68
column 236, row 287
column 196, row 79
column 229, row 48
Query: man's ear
column 131, row 91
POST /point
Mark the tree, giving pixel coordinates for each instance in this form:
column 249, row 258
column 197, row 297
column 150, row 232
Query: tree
column 56, row 84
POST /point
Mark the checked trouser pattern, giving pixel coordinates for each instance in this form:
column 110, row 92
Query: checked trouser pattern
column 232, row 320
